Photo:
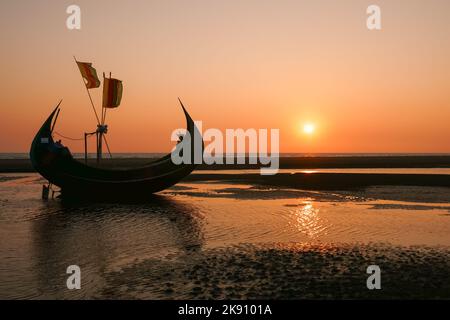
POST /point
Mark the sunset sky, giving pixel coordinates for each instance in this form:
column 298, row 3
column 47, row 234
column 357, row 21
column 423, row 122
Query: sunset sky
column 235, row 64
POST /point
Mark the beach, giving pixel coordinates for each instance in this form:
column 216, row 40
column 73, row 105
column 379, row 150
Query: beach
column 288, row 272
column 226, row 150
column 227, row 237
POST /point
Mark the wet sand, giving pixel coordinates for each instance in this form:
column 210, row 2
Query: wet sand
column 317, row 269
column 289, row 271
column 221, row 239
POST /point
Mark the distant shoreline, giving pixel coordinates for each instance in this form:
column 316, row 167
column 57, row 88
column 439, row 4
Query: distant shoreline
column 314, row 162
column 152, row 155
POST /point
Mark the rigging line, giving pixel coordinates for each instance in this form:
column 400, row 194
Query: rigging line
column 107, row 146
column 92, row 103
column 69, row 138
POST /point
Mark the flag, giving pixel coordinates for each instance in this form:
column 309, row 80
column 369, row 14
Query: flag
column 89, row 73
column 112, row 92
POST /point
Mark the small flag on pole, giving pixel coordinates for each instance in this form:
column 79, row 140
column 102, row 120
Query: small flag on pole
column 112, row 92
column 89, row 73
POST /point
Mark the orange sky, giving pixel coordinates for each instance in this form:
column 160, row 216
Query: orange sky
column 235, row 64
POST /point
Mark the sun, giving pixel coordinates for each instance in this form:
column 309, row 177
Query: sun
column 309, row 128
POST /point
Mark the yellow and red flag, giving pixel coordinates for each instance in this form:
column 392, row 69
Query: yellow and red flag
column 89, row 73
column 112, row 92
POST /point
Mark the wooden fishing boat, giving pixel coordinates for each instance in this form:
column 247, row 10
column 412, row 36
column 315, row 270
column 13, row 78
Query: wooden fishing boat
column 75, row 178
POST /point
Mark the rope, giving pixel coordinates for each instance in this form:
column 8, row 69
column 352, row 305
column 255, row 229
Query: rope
column 79, row 139
column 74, row 139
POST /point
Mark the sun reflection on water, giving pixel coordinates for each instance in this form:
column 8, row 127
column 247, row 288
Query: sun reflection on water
column 307, row 220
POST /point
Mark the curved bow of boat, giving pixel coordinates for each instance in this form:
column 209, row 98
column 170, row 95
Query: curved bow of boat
column 42, row 141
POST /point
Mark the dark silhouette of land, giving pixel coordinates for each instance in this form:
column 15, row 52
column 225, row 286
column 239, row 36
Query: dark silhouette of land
column 24, row 165
column 299, row 180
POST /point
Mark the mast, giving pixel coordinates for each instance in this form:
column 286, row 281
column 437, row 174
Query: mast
column 85, row 148
column 104, row 109
column 99, row 150
column 90, row 80
column 95, row 112
column 89, row 94
column 106, row 103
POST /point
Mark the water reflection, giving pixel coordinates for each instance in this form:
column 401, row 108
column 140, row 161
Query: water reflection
column 307, row 220
column 104, row 237
column 190, row 236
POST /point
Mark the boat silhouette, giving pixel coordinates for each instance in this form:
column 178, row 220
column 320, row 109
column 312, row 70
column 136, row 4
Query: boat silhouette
column 77, row 179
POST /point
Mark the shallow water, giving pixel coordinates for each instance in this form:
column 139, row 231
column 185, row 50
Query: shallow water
column 339, row 170
column 123, row 250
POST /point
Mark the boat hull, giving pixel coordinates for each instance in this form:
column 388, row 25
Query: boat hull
column 56, row 164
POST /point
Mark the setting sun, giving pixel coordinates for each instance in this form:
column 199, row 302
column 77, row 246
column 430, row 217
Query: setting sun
column 309, row 128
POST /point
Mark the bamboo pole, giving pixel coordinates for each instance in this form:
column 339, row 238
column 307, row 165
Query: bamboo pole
column 85, row 148
column 107, row 147
column 100, row 145
column 98, row 157
column 89, row 94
